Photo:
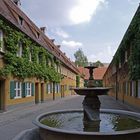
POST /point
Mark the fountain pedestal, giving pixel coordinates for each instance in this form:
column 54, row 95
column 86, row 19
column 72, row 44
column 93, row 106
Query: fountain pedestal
column 91, row 106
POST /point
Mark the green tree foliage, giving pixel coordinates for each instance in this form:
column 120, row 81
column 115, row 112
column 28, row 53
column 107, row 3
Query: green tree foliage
column 80, row 58
column 98, row 64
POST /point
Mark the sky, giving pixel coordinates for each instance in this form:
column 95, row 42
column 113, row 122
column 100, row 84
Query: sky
column 95, row 26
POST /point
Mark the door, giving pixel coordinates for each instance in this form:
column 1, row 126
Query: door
column 2, row 96
column 36, row 93
column 62, row 91
column 42, row 92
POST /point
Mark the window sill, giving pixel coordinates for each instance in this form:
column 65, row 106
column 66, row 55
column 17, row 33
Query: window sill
column 28, row 95
column 17, row 97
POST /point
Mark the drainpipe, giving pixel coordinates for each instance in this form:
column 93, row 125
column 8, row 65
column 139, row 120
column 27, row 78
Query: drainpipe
column 53, row 90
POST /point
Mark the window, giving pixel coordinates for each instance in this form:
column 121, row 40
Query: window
column 133, row 85
column 120, row 65
column 38, row 35
column 28, row 89
column 58, row 88
column 139, row 89
column 39, row 59
column 126, row 56
column 18, row 90
column 49, row 63
column 59, row 69
column 20, row 20
column 30, row 56
column 55, row 88
column 1, row 41
column 48, row 88
column 20, row 49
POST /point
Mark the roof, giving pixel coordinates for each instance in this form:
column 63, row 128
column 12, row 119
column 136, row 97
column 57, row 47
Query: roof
column 11, row 12
column 98, row 73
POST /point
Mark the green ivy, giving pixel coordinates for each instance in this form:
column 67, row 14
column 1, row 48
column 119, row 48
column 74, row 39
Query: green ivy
column 21, row 67
column 131, row 41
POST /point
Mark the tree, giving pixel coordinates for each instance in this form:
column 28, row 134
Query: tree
column 99, row 64
column 80, row 58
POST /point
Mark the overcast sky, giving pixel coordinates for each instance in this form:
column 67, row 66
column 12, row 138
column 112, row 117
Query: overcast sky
column 95, row 26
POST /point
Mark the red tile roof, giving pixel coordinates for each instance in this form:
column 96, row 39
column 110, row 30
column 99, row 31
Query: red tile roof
column 97, row 74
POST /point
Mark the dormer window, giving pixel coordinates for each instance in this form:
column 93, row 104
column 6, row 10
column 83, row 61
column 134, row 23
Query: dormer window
column 2, row 49
column 38, row 35
column 21, row 20
column 17, row 2
column 20, row 49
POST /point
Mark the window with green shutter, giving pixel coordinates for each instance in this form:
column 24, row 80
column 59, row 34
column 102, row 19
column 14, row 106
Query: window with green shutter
column 12, row 90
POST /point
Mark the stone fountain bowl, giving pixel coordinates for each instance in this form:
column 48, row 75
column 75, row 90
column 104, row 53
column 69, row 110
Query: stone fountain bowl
column 92, row 91
column 50, row 133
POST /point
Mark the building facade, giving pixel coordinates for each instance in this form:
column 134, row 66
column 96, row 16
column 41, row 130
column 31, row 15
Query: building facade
column 32, row 67
column 123, row 73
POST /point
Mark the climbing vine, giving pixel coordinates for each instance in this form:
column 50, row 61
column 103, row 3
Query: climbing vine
column 23, row 67
column 131, row 42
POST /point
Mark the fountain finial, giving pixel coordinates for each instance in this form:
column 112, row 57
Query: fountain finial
column 91, row 82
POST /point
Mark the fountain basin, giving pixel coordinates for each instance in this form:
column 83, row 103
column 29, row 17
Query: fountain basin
column 53, row 133
column 92, row 91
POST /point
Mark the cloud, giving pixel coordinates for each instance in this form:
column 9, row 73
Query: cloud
column 60, row 32
column 71, row 44
column 104, row 56
column 133, row 1
column 84, row 10
column 61, row 12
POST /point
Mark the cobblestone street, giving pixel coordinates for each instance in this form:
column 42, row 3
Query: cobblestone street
column 20, row 118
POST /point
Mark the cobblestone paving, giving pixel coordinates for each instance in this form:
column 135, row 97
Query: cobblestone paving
column 20, row 118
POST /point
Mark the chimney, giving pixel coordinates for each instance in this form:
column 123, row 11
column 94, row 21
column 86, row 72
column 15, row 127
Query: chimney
column 17, row 2
column 58, row 46
column 53, row 40
column 43, row 29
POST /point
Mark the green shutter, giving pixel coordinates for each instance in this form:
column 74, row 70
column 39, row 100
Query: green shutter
column 33, row 89
column 24, row 91
column 12, row 89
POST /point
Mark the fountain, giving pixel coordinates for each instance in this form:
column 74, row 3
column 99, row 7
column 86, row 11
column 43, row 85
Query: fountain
column 91, row 122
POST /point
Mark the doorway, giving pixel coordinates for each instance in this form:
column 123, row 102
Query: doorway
column 2, row 95
column 36, row 93
column 62, row 91
column 42, row 92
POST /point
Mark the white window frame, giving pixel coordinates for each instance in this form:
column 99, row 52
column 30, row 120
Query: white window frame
column 138, row 88
column 58, row 87
column 49, row 88
column 28, row 89
column 2, row 49
column 133, row 87
column 20, row 49
column 18, row 90
column 55, row 87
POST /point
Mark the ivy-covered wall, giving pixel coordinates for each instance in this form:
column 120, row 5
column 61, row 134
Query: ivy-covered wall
column 131, row 44
column 21, row 67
